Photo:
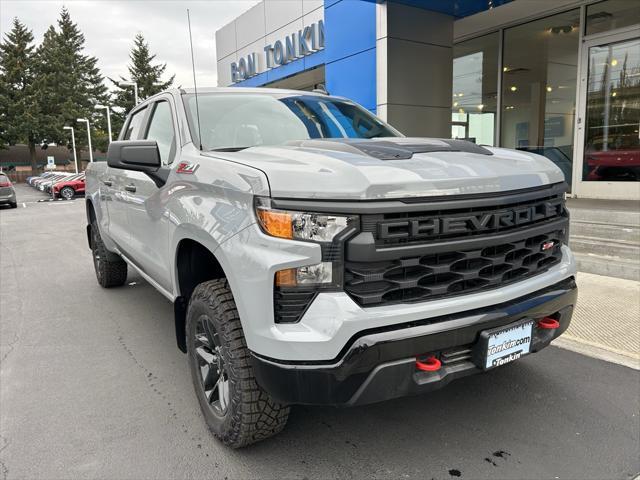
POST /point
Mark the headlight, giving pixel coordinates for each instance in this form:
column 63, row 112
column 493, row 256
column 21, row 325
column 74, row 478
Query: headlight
column 316, row 227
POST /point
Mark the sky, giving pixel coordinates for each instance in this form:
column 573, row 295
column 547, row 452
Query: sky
column 109, row 27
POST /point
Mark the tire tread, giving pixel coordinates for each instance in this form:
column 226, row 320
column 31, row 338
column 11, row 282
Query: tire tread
column 114, row 272
column 255, row 415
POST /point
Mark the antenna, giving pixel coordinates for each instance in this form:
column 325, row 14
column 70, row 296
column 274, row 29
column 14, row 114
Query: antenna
column 195, row 86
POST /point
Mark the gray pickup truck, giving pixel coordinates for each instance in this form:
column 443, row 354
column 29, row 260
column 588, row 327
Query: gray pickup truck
column 314, row 255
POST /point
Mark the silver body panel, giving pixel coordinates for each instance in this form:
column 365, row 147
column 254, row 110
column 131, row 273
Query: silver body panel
column 214, row 207
column 7, row 195
column 297, row 172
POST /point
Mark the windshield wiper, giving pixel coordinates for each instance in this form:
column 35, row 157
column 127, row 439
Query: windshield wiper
column 228, row 149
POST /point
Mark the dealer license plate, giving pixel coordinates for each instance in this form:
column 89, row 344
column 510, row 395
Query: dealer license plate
column 500, row 346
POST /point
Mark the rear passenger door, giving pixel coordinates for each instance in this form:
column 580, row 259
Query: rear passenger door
column 113, row 182
column 148, row 221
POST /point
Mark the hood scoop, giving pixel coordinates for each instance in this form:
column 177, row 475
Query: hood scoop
column 399, row 148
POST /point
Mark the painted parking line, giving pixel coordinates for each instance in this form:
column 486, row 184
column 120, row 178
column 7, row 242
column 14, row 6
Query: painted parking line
column 24, row 205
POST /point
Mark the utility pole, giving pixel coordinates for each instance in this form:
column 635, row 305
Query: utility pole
column 106, row 107
column 73, row 143
column 135, row 89
column 84, row 120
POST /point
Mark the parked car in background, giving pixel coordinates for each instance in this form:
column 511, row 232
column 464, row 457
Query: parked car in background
column 48, row 185
column 69, row 188
column 32, row 180
column 7, row 192
column 40, row 185
column 613, row 165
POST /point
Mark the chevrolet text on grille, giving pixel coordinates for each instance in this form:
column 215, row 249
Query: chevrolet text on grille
column 470, row 223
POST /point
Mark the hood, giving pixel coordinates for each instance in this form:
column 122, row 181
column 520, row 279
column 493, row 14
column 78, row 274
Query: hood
column 357, row 169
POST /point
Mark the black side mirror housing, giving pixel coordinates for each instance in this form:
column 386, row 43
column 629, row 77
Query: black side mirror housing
column 138, row 156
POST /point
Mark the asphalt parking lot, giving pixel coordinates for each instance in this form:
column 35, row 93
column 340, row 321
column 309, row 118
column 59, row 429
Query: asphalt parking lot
column 92, row 386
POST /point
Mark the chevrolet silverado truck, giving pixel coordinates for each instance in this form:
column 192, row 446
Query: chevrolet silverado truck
column 314, row 255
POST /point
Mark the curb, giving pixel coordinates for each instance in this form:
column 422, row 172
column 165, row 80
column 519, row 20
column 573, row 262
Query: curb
column 601, row 352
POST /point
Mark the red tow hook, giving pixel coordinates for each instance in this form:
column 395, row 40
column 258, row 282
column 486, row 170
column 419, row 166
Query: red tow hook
column 430, row 364
column 548, row 323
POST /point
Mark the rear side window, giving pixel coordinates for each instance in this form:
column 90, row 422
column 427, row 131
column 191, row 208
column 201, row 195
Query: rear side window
column 161, row 130
column 3, row 179
column 135, row 123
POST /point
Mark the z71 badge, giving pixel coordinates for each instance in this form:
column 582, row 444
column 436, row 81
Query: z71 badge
column 187, row 167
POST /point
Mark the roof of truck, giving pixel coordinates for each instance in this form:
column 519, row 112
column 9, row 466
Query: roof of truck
column 245, row 90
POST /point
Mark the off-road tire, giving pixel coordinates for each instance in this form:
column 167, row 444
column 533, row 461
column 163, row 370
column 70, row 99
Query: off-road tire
column 252, row 415
column 110, row 271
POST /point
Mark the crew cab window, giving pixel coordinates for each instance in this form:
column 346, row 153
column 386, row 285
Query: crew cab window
column 133, row 127
column 161, row 130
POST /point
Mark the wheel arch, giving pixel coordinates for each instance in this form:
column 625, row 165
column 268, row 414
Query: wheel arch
column 194, row 263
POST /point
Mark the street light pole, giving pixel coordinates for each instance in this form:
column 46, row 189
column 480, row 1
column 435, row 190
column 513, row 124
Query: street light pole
column 106, row 107
column 73, row 143
column 135, row 89
column 89, row 137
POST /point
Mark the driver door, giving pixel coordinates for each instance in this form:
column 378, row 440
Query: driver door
column 148, row 219
column 114, row 181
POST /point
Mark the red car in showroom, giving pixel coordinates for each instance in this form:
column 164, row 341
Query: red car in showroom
column 68, row 189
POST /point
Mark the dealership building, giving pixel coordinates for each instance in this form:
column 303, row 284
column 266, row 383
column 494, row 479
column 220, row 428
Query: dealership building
column 556, row 77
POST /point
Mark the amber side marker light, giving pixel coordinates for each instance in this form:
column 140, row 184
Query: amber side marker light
column 277, row 224
column 286, row 278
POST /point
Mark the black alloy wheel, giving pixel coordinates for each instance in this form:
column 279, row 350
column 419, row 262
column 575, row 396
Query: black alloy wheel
column 236, row 409
column 214, row 378
column 96, row 243
column 111, row 270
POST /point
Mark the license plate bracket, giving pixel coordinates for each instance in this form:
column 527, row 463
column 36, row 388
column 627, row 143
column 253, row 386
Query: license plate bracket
column 501, row 345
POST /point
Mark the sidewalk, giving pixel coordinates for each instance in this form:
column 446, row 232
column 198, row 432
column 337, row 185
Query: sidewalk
column 606, row 323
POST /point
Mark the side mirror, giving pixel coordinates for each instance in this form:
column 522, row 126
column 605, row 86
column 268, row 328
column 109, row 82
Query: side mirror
column 138, row 156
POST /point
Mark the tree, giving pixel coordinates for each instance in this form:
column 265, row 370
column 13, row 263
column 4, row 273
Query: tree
column 146, row 74
column 19, row 119
column 68, row 83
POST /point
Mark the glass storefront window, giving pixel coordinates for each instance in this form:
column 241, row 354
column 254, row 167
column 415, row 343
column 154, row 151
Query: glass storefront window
column 612, row 134
column 475, row 82
column 539, row 77
column 612, row 14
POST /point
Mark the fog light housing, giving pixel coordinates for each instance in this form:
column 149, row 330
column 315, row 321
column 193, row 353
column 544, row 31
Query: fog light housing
column 318, row 274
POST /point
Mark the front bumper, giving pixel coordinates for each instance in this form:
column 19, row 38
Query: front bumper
column 380, row 363
column 251, row 259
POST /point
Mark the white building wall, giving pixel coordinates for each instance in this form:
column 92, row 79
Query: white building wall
column 263, row 24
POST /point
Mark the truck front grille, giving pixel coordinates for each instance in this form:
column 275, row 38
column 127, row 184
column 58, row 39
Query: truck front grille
column 451, row 273
column 451, row 222
column 396, row 260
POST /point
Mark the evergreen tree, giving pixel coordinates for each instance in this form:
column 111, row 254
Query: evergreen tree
column 68, row 83
column 145, row 73
column 19, row 116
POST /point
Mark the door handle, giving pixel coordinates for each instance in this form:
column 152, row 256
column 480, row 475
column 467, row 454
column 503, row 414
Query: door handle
column 130, row 188
column 108, row 183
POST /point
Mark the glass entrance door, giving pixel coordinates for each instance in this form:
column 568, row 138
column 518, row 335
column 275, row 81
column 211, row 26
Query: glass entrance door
column 609, row 120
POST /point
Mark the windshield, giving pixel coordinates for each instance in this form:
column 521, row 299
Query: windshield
column 232, row 121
